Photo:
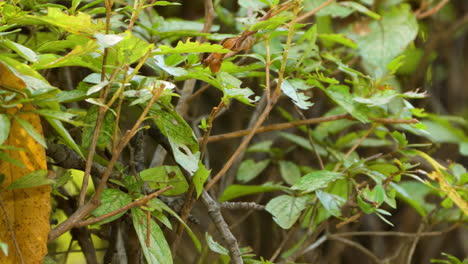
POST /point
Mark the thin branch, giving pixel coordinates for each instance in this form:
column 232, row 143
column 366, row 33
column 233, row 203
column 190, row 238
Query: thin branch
column 397, row 234
column 357, row 246
column 349, row 220
column 316, row 244
column 432, row 11
column 217, row 218
column 286, row 125
column 242, row 206
column 136, row 203
column 12, row 232
column 414, row 244
column 314, row 11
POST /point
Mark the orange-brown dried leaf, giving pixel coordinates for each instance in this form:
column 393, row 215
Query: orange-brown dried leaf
column 27, row 209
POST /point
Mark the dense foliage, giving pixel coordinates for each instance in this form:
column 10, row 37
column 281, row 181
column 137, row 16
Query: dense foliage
column 292, row 129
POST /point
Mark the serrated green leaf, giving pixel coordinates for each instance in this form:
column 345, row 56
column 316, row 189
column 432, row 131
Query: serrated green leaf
column 316, row 180
column 111, row 200
column 286, row 209
column 291, row 89
column 158, row 251
column 5, row 125
column 249, row 169
column 341, row 95
column 33, row 179
column 82, row 23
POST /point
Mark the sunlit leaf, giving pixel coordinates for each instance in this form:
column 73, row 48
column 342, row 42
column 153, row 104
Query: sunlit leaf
column 286, row 209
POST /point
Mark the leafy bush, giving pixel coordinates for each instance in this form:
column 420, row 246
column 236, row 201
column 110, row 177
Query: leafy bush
column 345, row 141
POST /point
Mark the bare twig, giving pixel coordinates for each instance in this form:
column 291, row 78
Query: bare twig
column 432, row 11
column 397, row 234
column 314, row 11
column 413, row 244
column 357, row 246
column 242, row 206
column 282, row 126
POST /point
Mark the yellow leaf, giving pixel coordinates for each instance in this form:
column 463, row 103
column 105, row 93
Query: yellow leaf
column 26, row 211
column 438, row 176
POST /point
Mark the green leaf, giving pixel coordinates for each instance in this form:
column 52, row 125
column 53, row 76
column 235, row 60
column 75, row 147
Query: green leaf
column 5, row 125
column 264, row 146
column 4, row 248
column 331, row 202
column 290, row 172
column 4, row 156
column 270, row 24
column 166, row 208
column 33, row 179
column 59, row 115
column 316, row 180
column 190, row 47
column 107, row 41
column 129, row 50
column 82, row 23
column 183, row 142
column 106, row 132
column 65, row 135
column 338, row 38
column 23, row 51
column 158, row 251
column 286, row 209
column 386, row 39
column 231, row 87
column 163, row 176
column 200, row 177
column 291, row 89
column 235, row 190
column 166, row 3
column 31, row 131
column 159, row 62
column 360, row 8
column 111, row 200
column 341, row 95
column 215, row 246
column 249, row 169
